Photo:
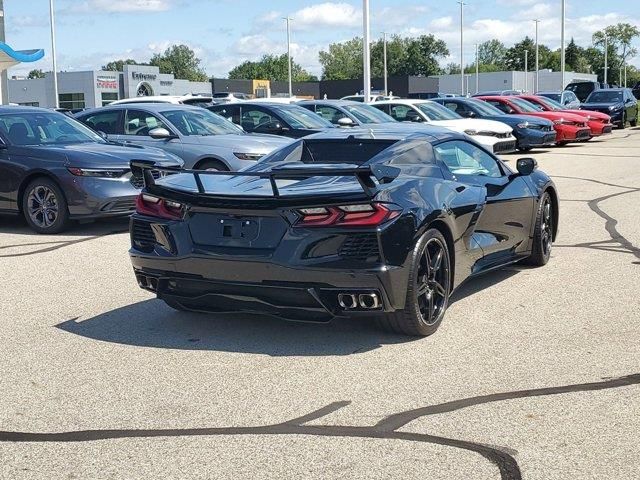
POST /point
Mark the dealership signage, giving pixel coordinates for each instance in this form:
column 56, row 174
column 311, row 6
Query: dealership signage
column 143, row 76
column 107, row 83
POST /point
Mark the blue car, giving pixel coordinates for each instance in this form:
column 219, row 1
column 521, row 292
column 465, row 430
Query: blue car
column 618, row 103
column 53, row 170
column 530, row 132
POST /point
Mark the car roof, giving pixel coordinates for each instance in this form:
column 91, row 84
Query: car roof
column 404, row 101
column 337, row 103
column 390, row 131
column 152, row 107
column 555, row 92
column 24, row 109
column 249, row 103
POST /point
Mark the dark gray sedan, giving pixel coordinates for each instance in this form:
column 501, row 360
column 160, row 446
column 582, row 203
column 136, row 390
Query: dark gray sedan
column 53, row 170
column 346, row 113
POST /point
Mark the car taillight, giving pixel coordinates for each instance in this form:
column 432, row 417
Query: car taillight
column 360, row 215
column 158, row 207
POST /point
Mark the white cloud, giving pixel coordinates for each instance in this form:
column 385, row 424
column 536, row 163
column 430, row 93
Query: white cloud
column 122, row 6
column 327, row 14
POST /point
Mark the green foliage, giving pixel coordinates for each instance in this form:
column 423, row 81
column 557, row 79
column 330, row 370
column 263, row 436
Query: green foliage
column 116, row 65
column 271, row 67
column 492, row 54
column 37, row 73
column 405, row 56
column 181, row 61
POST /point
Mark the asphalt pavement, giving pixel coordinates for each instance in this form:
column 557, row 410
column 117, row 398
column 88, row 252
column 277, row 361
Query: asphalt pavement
column 535, row 372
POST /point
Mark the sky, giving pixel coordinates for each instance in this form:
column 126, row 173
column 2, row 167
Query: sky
column 224, row 33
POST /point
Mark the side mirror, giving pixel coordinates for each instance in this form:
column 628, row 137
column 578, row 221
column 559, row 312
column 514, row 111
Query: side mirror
column 471, row 114
column 160, row 133
column 345, row 122
column 526, row 166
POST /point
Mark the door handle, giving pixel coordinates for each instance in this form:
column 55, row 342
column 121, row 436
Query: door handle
column 460, row 188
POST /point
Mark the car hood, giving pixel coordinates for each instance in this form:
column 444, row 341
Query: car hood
column 462, row 124
column 588, row 106
column 560, row 115
column 248, row 143
column 513, row 120
column 97, row 155
column 590, row 113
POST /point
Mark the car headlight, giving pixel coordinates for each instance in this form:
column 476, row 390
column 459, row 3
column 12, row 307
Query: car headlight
column 589, row 117
column 471, row 132
column 249, row 156
column 97, row 172
column 523, row 125
column 615, row 107
column 560, row 121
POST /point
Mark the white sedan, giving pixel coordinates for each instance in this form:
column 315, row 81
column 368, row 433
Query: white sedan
column 496, row 136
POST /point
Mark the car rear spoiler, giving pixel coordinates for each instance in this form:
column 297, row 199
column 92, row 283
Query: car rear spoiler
column 365, row 175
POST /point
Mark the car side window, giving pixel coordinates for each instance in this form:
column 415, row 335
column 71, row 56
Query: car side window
column 106, row 122
column 330, row 114
column 140, row 123
column 418, row 153
column 399, row 112
column 253, row 118
column 499, row 105
column 463, row 158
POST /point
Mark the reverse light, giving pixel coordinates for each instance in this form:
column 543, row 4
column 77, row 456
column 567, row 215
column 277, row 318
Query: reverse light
column 359, row 215
column 158, row 207
column 249, row 156
column 97, row 172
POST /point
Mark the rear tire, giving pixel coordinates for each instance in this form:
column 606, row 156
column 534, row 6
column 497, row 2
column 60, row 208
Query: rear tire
column 44, row 206
column 543, row 233
column 428, row 290
column 633, row 122
column 623, row 123
column 213, row 165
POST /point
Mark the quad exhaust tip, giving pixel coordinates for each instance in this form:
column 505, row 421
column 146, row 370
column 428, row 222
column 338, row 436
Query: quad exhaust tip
column 366, row 301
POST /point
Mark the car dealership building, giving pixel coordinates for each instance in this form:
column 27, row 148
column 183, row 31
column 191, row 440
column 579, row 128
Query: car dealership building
column 98, row 88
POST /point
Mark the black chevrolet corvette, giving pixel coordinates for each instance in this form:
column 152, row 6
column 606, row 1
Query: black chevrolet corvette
column 384, row 223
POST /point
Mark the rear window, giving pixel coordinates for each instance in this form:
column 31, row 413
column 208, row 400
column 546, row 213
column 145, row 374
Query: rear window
column 357, row 151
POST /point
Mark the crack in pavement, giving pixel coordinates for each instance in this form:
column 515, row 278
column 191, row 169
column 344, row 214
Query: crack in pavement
column 387, row 428
column 56, row 245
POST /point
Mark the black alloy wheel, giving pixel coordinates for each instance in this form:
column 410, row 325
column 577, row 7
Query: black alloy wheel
column 44, row 206
column 543, row 234
column 428, row 290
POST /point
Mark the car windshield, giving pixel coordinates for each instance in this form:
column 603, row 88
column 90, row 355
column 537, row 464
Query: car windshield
column 299, row 117
column 525, row 106
column 436, row 111
column 484, row 108
column 368, row 114
column 200, row 122
column 552, row 96
column 45, row 128
column 550, row 103
column 605, row 96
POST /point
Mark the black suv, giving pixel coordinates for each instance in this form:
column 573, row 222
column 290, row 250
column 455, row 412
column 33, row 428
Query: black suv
column 582, row 89
column 636, row 91
column 618, row 103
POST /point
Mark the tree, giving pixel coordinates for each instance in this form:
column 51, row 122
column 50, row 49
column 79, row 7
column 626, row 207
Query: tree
column 181, row 61
column 271, row 67
column 343, row 61
column 619, row 40
column 514, row 56
column 37, row 73
column 117, row 65
column 405, row 56
column 492, row 52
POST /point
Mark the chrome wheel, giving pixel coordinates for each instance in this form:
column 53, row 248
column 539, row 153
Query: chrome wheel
column 42, row 206
column 546, row 227
column 432, row 281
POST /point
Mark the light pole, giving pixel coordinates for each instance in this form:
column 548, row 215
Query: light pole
column 606, row 51
column 526, row 71
column 366, row 57
column 625, row 73
column 537, row 64
column 3, row 76
column 53, row 53
column 384, row 54
column 562, row 66
column 462, row 4
column 288, row 19
column 477, row 70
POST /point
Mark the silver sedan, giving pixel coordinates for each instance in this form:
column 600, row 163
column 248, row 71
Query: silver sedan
column 201, row 138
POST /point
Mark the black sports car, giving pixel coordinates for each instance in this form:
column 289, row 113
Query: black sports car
column 342, row 223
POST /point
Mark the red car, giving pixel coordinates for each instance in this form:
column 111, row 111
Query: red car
column 569, row 127
column 599, row 123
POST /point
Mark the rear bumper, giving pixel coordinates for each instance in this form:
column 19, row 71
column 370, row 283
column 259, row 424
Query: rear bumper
column 216, row 285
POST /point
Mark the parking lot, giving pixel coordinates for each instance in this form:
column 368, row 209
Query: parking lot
column 534, row 373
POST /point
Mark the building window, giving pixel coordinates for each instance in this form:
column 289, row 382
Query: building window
column 29, row 104
column 107, row 98
column 71, row 100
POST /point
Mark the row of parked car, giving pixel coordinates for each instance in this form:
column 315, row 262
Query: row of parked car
column 56, row 168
